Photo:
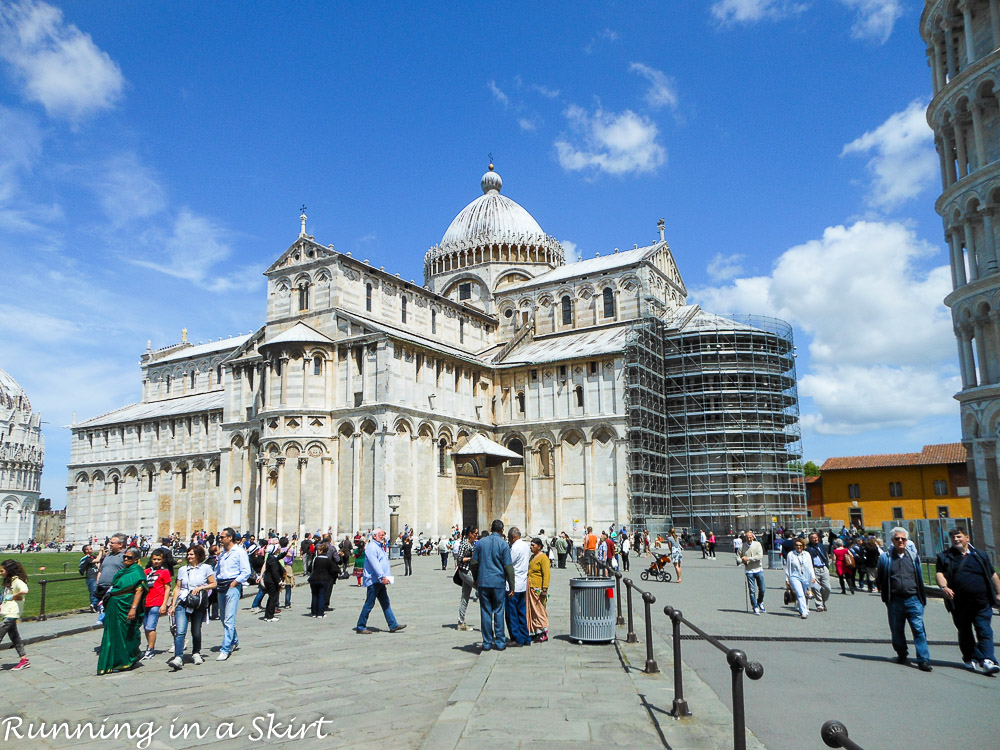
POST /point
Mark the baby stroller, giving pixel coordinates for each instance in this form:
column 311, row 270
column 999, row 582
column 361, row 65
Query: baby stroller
column 657, row 570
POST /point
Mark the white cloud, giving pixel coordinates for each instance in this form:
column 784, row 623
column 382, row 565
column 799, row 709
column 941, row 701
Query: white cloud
column 571, row 251
column 663, row 89
column 128, row 190
column 20, row 146
column 615, row 143
column 527, row 124
column 874, row 19
column 725, row 267
column 903, row 161
column 498, row 94
column 874, row 322
column 57, row 65
column 751, row 11
column 191, row 249
column 545, row 91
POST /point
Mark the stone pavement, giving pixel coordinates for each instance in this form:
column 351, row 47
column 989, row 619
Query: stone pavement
column 427, row 685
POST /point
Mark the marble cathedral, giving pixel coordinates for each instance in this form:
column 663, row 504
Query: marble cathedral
column 495, row 389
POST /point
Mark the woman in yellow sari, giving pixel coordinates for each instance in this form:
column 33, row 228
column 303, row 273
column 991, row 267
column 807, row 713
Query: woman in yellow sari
column 538, row 592
column 123, row 617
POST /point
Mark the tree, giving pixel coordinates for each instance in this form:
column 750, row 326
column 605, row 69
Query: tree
column 811, row 469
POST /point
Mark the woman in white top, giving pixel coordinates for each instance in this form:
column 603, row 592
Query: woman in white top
column 676, row 551
column 799, row 575
column 193, row 578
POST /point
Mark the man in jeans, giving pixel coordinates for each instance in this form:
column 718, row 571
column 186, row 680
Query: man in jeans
column 493, row 565
column 971, row 589
column 376, row 578
column 901, row 585
column 751, row 557
column 88, row 569
column 231, row 574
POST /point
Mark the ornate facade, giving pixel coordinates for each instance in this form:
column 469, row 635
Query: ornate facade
column 22, row 454
column 495, row 389
column 963, row 50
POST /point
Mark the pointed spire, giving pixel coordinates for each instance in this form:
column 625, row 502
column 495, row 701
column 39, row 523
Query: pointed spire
column 302, row 218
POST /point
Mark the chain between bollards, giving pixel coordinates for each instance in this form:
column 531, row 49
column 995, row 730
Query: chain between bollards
column 648, row 599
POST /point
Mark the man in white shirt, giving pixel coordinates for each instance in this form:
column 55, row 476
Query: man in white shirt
column 516, row 612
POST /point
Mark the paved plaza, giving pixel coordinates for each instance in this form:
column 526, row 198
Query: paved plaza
column 429, row 686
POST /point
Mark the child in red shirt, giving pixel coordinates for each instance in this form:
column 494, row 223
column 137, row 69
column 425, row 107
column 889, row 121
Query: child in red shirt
column 158, row 577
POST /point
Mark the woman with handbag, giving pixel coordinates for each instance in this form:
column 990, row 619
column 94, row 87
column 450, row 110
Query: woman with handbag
column 123, row 617
column 463, row 573
column 189, row 604
column 676, row 552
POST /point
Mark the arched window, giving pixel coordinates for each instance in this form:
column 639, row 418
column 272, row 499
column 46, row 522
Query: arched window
column 609, row 303
column 461, row 331
column 168, row 384
column 442, row 456
column 317, row 365
column 184, row 479
column 518, row 447
column 368, row 297
column 567, row 311
column 149, row 482
column 404, row 310
column 579, row 395
column 115, row 480
column 303, row 296
column 434, row 321
column 520, row 402
column 544, row 460
column 218, row 375
column 193, row 375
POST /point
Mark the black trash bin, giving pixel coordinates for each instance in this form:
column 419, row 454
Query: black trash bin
column 592, row 609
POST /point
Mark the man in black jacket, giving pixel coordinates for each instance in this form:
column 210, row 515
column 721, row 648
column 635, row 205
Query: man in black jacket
column 274, row 574
column 971, row 589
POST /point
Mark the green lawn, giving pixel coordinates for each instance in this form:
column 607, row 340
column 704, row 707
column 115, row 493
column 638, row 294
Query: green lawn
column 65, row 590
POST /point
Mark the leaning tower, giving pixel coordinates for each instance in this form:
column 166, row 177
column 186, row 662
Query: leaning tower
column 963, row 50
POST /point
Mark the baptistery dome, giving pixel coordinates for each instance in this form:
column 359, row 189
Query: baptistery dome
column 12, row 396
column 492, row 216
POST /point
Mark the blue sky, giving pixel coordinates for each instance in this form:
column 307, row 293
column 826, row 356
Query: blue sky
column 153, row 158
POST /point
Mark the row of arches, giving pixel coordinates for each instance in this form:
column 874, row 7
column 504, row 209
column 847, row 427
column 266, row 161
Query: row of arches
column 451, row 257
column 971, row 234
column 966, row 133
column 958, row 33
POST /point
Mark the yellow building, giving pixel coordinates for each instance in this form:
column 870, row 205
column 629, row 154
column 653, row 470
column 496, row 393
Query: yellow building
column 864, row 491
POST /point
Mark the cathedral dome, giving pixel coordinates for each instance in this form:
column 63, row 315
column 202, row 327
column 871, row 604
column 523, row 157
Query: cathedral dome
column 492, row 216
column 12, row 396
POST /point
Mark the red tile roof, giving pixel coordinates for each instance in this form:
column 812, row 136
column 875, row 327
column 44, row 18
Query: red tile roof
column 942, row 453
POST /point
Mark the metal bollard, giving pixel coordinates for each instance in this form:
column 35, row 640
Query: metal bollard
column 630, row 637
column 618, row 595
column 834, row 734
column 41, row 601
column 651, row 668
column 680, row 706
column 736, row 659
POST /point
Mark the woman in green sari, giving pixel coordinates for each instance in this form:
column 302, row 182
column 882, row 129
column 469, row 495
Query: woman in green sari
column 123, row 617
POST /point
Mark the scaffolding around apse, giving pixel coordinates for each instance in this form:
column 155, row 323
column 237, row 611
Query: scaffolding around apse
column 713, row 423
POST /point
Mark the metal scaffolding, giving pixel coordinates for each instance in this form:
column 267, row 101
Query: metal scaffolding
column 713, row 417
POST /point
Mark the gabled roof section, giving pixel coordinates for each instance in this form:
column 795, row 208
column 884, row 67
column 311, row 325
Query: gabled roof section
column 564, row 346
column 413, row 338
column 480, row 445
column 658, row 255
column 302, row 246
column 199, row 402
column 942, row 453
column 299, row 333
column 200, row 350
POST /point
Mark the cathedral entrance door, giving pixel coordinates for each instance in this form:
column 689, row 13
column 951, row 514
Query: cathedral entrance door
column 470, row 508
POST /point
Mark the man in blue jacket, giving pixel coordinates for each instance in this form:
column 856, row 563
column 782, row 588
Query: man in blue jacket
column 492, row 562
column 375, row 578
column 901, row 585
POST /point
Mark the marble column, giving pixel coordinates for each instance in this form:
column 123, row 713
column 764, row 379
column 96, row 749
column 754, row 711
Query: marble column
column 970, row 43
column 970, row 246
column 982, row 158
column 303, row 464
column 989, row 241
column 279, row 498
column 949, row 45
column 957, row 257
column 982, row 353
column 963, row 156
